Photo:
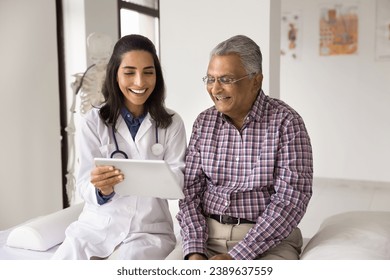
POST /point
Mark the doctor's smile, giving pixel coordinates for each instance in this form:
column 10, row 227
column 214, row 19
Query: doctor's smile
column 137, row 91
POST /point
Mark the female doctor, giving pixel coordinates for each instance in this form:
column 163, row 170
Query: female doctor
column 134, row 123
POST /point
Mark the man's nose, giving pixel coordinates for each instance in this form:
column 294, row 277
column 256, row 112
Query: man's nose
column 215, row 87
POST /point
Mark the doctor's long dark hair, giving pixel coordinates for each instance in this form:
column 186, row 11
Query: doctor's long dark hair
column 114, row 99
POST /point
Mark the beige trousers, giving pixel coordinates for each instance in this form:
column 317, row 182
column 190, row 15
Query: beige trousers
column 222, row 238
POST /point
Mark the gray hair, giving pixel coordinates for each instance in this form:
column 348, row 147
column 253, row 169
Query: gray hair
column 246, row 48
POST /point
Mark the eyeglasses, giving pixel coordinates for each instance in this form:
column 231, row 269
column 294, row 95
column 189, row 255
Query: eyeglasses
column 224, row 80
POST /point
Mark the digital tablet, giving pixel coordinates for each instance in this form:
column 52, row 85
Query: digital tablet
column 151, row 178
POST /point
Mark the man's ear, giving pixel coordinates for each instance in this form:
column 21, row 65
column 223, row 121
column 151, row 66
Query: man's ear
column 258, row 81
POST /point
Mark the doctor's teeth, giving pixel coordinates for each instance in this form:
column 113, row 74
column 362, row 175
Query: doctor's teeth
column 138, row 90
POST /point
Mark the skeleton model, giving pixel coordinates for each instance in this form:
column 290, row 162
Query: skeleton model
column 89, row 85
column 99, row 50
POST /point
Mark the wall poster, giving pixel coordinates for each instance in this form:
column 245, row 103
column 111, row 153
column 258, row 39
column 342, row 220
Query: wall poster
column 291, row 32
column 338, row 29
column 382, row 30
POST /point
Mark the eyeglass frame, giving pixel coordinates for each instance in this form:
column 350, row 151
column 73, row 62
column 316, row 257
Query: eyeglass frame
column 230, row 82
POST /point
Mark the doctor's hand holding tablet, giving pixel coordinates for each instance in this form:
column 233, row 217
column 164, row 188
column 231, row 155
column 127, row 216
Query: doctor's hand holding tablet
column 105, row 177
column 145, row 178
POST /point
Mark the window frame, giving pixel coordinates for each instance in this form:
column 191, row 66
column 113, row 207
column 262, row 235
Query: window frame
column 140, row 9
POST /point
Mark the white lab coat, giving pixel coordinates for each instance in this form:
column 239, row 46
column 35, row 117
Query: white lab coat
column 142, row 227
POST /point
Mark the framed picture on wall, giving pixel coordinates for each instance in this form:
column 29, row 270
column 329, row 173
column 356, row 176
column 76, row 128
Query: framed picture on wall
column 291, row 35
column 382, row 44
column 338, row 29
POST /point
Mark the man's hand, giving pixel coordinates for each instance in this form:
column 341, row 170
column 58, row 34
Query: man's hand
column 222, row 257
column 196, row 256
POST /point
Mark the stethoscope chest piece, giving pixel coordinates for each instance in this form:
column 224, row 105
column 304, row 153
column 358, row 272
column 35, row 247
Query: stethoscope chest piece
column 157, row 149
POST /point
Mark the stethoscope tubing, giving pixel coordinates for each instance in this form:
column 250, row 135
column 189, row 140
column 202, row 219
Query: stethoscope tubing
column 117, row 151
column 157, row 148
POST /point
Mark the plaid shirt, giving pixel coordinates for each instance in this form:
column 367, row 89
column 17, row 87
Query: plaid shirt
column 262, row 173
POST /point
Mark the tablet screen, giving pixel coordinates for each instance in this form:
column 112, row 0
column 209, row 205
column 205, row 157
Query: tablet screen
column 151, row 178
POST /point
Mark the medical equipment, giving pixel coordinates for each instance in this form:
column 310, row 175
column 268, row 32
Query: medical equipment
column 157, row 148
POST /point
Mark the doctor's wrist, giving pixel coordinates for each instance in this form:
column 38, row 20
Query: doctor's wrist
column 105, row 194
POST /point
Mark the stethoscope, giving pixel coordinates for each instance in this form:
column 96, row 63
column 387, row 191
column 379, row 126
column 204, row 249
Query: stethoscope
column 157, row 148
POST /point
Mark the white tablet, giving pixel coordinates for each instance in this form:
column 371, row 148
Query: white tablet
column 151, row 178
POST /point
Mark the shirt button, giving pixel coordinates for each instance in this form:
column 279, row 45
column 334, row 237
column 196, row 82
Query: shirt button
column 226, row 203
column 237, row 158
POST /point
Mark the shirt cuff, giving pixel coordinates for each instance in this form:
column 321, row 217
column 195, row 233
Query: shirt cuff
column 101, row 198
column 194, row 246
column 242, row 252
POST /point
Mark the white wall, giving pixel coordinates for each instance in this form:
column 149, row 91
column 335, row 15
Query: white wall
column 343, row 99
column 30, row 169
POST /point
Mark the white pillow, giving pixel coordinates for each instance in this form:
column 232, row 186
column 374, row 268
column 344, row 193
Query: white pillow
column 44, row 232
column 351, row 236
